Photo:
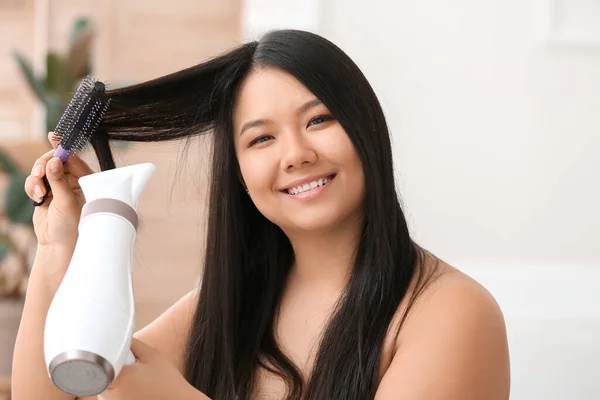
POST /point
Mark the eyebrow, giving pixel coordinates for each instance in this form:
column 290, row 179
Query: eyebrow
column 258, row 122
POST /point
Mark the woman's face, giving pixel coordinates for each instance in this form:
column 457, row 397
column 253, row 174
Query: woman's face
column 296, row 160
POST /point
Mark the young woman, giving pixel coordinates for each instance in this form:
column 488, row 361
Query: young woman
column 312, row 287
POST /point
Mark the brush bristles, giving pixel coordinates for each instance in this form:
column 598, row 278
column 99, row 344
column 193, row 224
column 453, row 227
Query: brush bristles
column 82, row 116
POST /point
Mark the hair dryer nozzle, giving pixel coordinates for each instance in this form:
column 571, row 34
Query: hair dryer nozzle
column 81, row 373
column 125, row 183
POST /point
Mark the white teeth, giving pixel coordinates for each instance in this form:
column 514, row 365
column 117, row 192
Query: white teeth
column 308, row 186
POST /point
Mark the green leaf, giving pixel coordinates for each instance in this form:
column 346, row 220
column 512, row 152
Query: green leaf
column 58, row 78
column 55, row 107
column 18, row 206
column 34, row 83
column 7, row 164
column 81, row 25
column 7, row 245
column 4, row 249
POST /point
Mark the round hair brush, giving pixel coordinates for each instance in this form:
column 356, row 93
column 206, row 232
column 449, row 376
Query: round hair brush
column 79, row 121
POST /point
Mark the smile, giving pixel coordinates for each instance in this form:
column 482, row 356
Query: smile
column 310, row 186
column 310, row 189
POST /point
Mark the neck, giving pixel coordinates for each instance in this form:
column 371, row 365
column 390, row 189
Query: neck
column 324, row 259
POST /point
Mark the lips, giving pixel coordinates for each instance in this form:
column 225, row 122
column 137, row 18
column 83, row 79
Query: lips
column 303, row 185
column 309, row 187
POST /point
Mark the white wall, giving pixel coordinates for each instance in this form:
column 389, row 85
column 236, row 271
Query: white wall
column 497, row 147
column 496, row 137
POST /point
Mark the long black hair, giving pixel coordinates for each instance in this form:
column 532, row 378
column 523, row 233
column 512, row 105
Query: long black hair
column 247, row 256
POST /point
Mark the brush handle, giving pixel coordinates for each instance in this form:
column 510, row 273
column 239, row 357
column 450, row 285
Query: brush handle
column 47, row 185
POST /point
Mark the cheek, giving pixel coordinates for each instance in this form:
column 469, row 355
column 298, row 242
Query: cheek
column 256, row 171
column 342, row 151
column 349, row 160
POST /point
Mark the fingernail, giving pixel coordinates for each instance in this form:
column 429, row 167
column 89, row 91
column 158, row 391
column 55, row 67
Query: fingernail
column 37, row 171
column 55, row 165
column 39, row 192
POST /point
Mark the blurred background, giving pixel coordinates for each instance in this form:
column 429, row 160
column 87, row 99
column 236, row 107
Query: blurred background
column 493, row 111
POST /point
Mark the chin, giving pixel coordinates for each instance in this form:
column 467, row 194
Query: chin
column 317, row 221
column 320, row 216
column 316, row 226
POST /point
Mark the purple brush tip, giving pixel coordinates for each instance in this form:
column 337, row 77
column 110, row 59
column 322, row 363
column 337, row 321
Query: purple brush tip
column 62, row 153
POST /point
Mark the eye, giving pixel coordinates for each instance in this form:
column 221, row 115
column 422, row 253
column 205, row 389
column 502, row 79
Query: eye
column 259, row 139
column 319, row 120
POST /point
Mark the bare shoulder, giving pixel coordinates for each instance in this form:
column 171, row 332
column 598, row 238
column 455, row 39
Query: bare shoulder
column 452, row 345
column 454, row 294
column 169, row 331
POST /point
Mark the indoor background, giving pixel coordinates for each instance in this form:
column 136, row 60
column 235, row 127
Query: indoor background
column 493, row 107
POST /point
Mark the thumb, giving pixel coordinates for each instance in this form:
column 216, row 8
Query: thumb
column 141, row 350
column 55, row 173
column 77, row 167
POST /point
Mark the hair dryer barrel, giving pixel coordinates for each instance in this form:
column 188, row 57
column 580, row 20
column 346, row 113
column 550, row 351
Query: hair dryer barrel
column 90, row 322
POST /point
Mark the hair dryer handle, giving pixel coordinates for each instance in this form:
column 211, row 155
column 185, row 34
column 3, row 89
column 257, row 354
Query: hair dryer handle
column 130, row 358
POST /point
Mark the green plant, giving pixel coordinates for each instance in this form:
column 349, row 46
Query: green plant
column 54, row 90
column 18, row 207
column 63, row 73
column 18, row 211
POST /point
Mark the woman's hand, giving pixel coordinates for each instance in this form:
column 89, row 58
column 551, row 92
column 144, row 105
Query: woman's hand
column 151, row 377
column 56, row 221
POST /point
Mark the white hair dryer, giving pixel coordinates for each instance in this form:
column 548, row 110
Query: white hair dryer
column 90, row 322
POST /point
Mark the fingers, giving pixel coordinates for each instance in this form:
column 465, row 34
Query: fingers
column 53, row 141
column 34, row 184
column 74, row 164
column 77, row 167
column 39, row 167
column 63, row 195
column 73, row 169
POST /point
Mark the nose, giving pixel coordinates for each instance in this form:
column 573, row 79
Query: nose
column 296, row 151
